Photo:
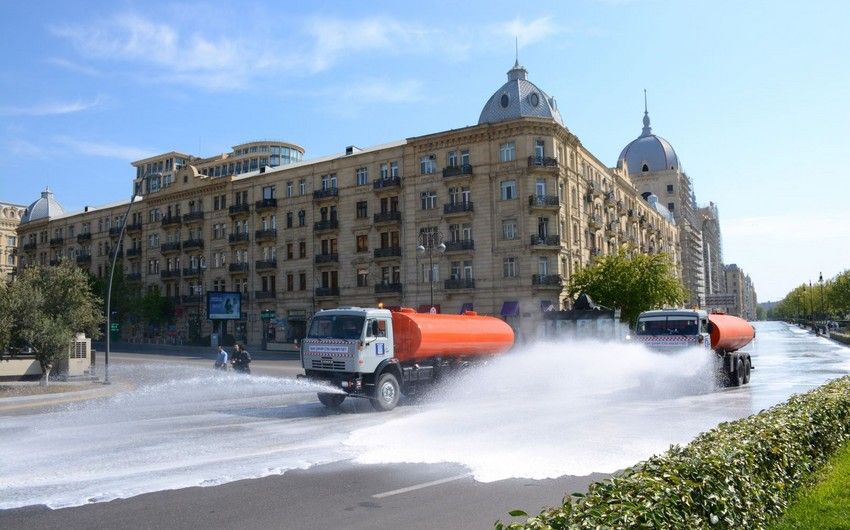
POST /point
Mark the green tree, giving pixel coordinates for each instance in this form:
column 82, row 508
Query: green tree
column 48, row 306
column 630, row 282
column 156, row 309
column 838, row 294
column 6, row 317
column 125, row 297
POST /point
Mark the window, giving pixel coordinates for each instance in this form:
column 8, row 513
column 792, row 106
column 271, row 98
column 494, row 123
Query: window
column 669, row 189
column 268, row 192
column 509, row 230
column 384, row 171
column 302, row 281
column 362, row 210
column 543, row 266
column 538, row 149
column 362, row 175
column 507, row 152
column 426, row 165
column 329, row 181
column 429, row 200
column 670, row 206
column 289, row 189
column 362, row 277
column 302, row 218
column 302, row 249
column 362, row 243
column 464, row 157
column 289, row 219
column 302, row 187
column 433, row 276
column 290, row 282
column 508, row 190
column 451, row 159
column 394, row 169
column 289, row 253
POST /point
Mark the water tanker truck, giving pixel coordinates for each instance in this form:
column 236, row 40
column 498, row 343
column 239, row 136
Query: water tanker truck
column 380, row 354
column 725, row 335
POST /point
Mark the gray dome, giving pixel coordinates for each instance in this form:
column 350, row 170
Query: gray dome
column 649, row 150
column 43, row 208
column 519, row 98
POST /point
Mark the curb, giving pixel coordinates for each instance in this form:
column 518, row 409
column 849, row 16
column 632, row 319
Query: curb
column 58, row 398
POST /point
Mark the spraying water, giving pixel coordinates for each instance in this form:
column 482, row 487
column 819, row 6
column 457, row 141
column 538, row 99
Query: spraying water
column 549, row 410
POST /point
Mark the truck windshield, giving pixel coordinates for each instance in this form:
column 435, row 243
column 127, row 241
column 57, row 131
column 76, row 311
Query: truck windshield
column 668, row 326
column 336, row 327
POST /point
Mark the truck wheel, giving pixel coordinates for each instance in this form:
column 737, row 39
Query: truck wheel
column 387, row 393
column 747, row 368
column 736, row 378
column 331, row 401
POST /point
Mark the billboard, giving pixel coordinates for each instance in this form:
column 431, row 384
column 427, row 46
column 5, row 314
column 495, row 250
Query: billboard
column 224, row 305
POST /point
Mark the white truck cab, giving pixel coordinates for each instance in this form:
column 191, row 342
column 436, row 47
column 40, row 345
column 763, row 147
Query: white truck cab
column 673, row 328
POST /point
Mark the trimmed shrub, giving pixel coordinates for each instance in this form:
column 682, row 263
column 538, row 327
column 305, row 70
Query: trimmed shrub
column 741, row 474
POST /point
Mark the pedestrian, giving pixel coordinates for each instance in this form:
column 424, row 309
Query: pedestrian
column 241, row 359
column 221, row 360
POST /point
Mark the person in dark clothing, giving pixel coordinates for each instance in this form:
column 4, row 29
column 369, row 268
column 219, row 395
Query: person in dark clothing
column 241, row 359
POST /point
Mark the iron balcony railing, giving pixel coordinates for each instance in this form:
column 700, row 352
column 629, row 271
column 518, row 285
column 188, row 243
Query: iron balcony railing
column 240, row 209
column 171, row 220
column 134, row 227
column 460, row 283
column 544, row 201
column 170, row 247
column 387, row 252
column 193, row 243
column 265, row 204
column 134, row 252
column 134, row 277
column 264, row 235
column 543, row 161
column 326, row 193
column 327, row 291
column 456, row 171
column 57, row 241
column 327, row 258
column 387, row 217
column 326, row 224
column 461, row 245
column 265, row 265
column 238, row 267
column 458, row 207
column 81, row 238
column 551, row 240
column 547, row 280
column 238, row 237
column 384, row 288
column 265, row 295
column 390, row 182
column 169, row 274
column 191, row 272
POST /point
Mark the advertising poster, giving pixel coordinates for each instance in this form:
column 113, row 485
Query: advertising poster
column 224, row 305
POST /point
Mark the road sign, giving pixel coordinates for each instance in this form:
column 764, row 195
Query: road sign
column 113, row 326
column 267, row 314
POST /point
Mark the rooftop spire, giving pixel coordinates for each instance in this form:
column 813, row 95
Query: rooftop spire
column 517, row 72
column 516, row 47
column 647, row 130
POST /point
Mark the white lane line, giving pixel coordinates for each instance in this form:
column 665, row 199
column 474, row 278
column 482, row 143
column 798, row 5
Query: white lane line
column 420, row 486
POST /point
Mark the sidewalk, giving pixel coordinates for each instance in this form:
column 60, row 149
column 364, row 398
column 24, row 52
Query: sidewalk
column 17, row 403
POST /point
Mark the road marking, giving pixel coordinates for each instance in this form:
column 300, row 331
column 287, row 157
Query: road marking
column 420, row 486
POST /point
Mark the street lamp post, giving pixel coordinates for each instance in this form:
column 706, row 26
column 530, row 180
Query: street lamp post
column 137, row 189
column 428, row 243
column 822, row 309
column 811, row 307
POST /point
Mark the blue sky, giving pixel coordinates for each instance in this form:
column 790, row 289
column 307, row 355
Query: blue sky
column 754, row 97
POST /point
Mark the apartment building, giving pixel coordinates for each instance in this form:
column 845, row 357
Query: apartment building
column 10, row 218
column 493, row 217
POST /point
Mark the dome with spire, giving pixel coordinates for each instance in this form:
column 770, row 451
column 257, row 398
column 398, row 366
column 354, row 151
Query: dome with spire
column 519, row 98
column 44, row 208
column 648, row 153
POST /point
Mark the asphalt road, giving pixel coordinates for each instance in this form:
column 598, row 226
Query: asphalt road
column 567, row 428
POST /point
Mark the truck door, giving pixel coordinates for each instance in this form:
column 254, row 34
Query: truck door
column 704, row 333
column 378, row 340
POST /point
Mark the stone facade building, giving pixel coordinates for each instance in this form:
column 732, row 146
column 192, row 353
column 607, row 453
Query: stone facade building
column 712, row 250
column 10, row 218
column 741, row 294
column 517, row 201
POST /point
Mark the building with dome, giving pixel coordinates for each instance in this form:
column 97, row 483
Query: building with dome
column 10, row 218
column 517, row 201
column 651, row 162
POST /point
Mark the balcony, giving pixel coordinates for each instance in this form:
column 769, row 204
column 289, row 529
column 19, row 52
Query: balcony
column 329, row 193
column 29, row 247
column 171, row 220
column 460, row 283
column 83, row 259
column 192, row 298
column 387, row 217
column 134, row 277
column 264, row 265
column 596, row 252
column 170, row 247
column 269, row 234
column 193, row 217
column 544, row 201
column 327, row 258
column 457, row 171
column 594, row 190
column 595, row 222
column 134, row 227
column 239, row 209
column 458, row 208
column 265, row 295
column 82, row 238
column 238, row 237
column 543, row 162
column 192, row 272
column 193, row 243
column 238, row 268
column 134, row 252
column 610, row 199
column 327, row 291
column 387, row 252
column 165, row 275
column 115, row 231
column 56, row 241
column 547, row 280
column 265, row 204
column 387, row 288
column 546, row 241
column 325, row 224
column 387, row 183
column 460, row 246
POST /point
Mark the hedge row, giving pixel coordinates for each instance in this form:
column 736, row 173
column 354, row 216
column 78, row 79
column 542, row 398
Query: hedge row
column 840, row 337
column 741, row 474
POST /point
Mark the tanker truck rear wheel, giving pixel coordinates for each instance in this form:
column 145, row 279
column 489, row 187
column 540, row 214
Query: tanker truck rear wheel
column 331, row 401
column 736, row 378
column 387, row 393
column 747, row 368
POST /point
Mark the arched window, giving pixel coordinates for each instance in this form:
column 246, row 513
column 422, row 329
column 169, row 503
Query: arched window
column 645, row 168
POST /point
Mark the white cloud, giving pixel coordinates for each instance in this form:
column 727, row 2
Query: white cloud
column 51, row 108
column 525, row 31
column 105, row 149
column 24, row 148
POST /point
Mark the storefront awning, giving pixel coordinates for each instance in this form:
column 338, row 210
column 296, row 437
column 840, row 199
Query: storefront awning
column 426, row 308
column 467, row 306
column 510, row 309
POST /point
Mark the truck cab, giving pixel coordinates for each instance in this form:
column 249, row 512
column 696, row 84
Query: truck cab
column 667, row 329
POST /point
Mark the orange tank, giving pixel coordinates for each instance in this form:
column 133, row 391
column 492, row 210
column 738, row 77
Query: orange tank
column 730, row 333
column 422, row 335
